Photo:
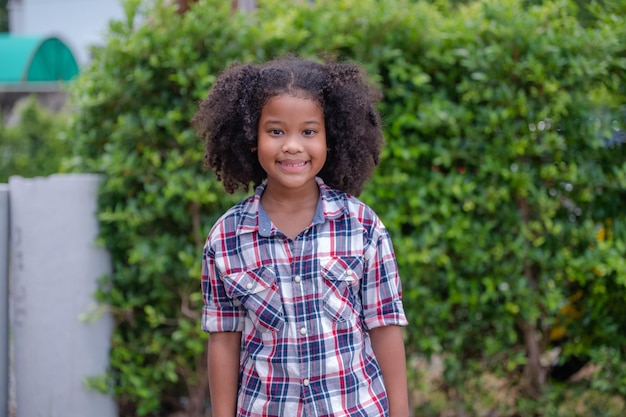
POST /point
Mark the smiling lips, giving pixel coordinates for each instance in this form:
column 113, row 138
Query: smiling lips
column 292, row 165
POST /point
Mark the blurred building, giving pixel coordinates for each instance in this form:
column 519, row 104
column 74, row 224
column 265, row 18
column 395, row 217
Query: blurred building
column 34, row 65
column 48, row 41
column 68, row 25
column 78, row 23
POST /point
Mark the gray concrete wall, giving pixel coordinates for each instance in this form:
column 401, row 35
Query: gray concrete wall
column 55, row 267
column 4, row 300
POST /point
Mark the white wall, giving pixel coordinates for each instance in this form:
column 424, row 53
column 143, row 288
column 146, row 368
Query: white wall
column 4, row 299
column 79, row 23
column 58, row 338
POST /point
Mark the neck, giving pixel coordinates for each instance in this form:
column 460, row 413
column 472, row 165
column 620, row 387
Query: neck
column 288, row 199
column 291, row 210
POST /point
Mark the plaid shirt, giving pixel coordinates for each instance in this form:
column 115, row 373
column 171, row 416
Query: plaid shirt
column 304, row 306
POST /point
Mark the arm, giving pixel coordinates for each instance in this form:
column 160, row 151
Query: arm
column 223, row 362
column 388, row 347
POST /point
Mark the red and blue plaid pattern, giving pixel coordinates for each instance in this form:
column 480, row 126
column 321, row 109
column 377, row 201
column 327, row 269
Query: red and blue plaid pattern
column 304, row 306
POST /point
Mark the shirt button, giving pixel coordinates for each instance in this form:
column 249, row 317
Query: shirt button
column 297, row 278
column 349, row 272
column 306, row 382
column 249, row 286
column 303, row 330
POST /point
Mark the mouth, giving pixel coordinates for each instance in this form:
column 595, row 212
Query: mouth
column 292, row 166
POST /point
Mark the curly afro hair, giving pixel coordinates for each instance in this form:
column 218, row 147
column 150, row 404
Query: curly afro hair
column 227, row 120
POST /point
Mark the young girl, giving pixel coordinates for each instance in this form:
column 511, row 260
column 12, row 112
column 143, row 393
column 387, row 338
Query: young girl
column 302, row 296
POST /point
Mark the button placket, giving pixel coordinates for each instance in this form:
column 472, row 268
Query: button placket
column 301, row 287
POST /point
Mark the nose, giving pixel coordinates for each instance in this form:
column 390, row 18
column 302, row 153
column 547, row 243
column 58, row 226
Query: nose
column 292, row 144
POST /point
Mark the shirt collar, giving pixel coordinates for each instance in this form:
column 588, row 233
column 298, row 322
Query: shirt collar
column 330, row 206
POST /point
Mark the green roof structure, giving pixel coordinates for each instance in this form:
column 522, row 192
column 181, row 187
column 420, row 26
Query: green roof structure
column 32, row 59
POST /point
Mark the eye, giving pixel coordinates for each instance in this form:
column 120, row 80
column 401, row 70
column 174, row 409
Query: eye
column 308, row 132
column 275, row 132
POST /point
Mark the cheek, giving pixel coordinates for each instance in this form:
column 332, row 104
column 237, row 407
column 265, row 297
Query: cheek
column 323, row 149
column 265, row 154
column 323, row 152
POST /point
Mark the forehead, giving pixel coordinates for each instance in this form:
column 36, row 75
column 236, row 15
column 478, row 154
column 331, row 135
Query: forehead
column 293, row 107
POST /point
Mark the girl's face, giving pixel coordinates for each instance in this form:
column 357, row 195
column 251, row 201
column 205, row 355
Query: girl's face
column 291, row 142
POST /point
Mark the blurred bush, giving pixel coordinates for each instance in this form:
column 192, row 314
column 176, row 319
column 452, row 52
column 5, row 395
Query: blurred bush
column 502, row 185
column 35, row 143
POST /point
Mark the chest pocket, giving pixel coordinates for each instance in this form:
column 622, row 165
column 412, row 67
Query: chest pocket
column 257, row 290
column 342, row 279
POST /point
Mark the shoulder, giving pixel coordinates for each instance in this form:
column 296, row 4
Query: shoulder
column 339, row 203
column 237, row 218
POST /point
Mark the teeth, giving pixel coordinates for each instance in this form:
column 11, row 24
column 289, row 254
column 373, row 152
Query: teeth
column 295, row 165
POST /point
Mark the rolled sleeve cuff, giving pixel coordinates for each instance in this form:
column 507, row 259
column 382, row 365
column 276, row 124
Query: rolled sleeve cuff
column 221, row 320
column 392, row 315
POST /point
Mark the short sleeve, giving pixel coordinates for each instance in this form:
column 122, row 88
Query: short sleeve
column 220, row 313
column 381, row 289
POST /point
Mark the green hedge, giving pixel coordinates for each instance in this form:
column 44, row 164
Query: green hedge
column 502, row 185
column 36, row 144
